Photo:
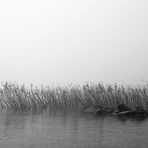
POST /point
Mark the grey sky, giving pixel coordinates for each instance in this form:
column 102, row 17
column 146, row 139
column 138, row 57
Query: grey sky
column 65, row 41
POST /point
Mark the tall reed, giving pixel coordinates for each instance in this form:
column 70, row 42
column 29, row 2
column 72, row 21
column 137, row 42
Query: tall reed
column 17, row 97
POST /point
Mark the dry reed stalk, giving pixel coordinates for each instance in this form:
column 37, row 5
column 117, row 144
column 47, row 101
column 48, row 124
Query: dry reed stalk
column 74, row 97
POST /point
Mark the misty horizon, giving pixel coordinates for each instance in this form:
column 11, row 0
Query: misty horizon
column 64, row 42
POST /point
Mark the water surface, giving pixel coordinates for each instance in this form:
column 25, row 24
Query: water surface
column 43, row 129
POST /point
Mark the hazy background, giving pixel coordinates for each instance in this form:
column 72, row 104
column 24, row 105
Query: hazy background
column 73, row 41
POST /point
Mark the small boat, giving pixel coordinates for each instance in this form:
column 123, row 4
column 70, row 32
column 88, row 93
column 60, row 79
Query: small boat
column 123, row 110
column 131, row 113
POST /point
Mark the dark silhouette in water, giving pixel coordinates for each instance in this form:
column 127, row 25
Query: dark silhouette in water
column 123, row 108
column 125, row 111
column 122, row 111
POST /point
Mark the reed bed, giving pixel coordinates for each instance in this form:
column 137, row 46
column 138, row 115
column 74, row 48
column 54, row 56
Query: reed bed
column 80, row 98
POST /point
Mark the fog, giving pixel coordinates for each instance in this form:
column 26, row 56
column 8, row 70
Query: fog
column 63, row 42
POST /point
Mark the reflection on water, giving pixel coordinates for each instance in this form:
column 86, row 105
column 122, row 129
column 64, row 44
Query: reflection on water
column 64, row 130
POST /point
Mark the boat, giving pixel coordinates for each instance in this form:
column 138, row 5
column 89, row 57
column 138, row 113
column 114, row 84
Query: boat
column 131, row 113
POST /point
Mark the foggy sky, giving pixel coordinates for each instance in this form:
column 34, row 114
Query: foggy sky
column 64, row 41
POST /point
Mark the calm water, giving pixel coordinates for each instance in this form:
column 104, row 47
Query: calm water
column 66, row 130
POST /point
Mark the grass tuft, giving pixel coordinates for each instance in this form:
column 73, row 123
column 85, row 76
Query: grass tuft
column 17, row 97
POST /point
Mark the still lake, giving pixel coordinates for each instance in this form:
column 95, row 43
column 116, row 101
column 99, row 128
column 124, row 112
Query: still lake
column 45, row 129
